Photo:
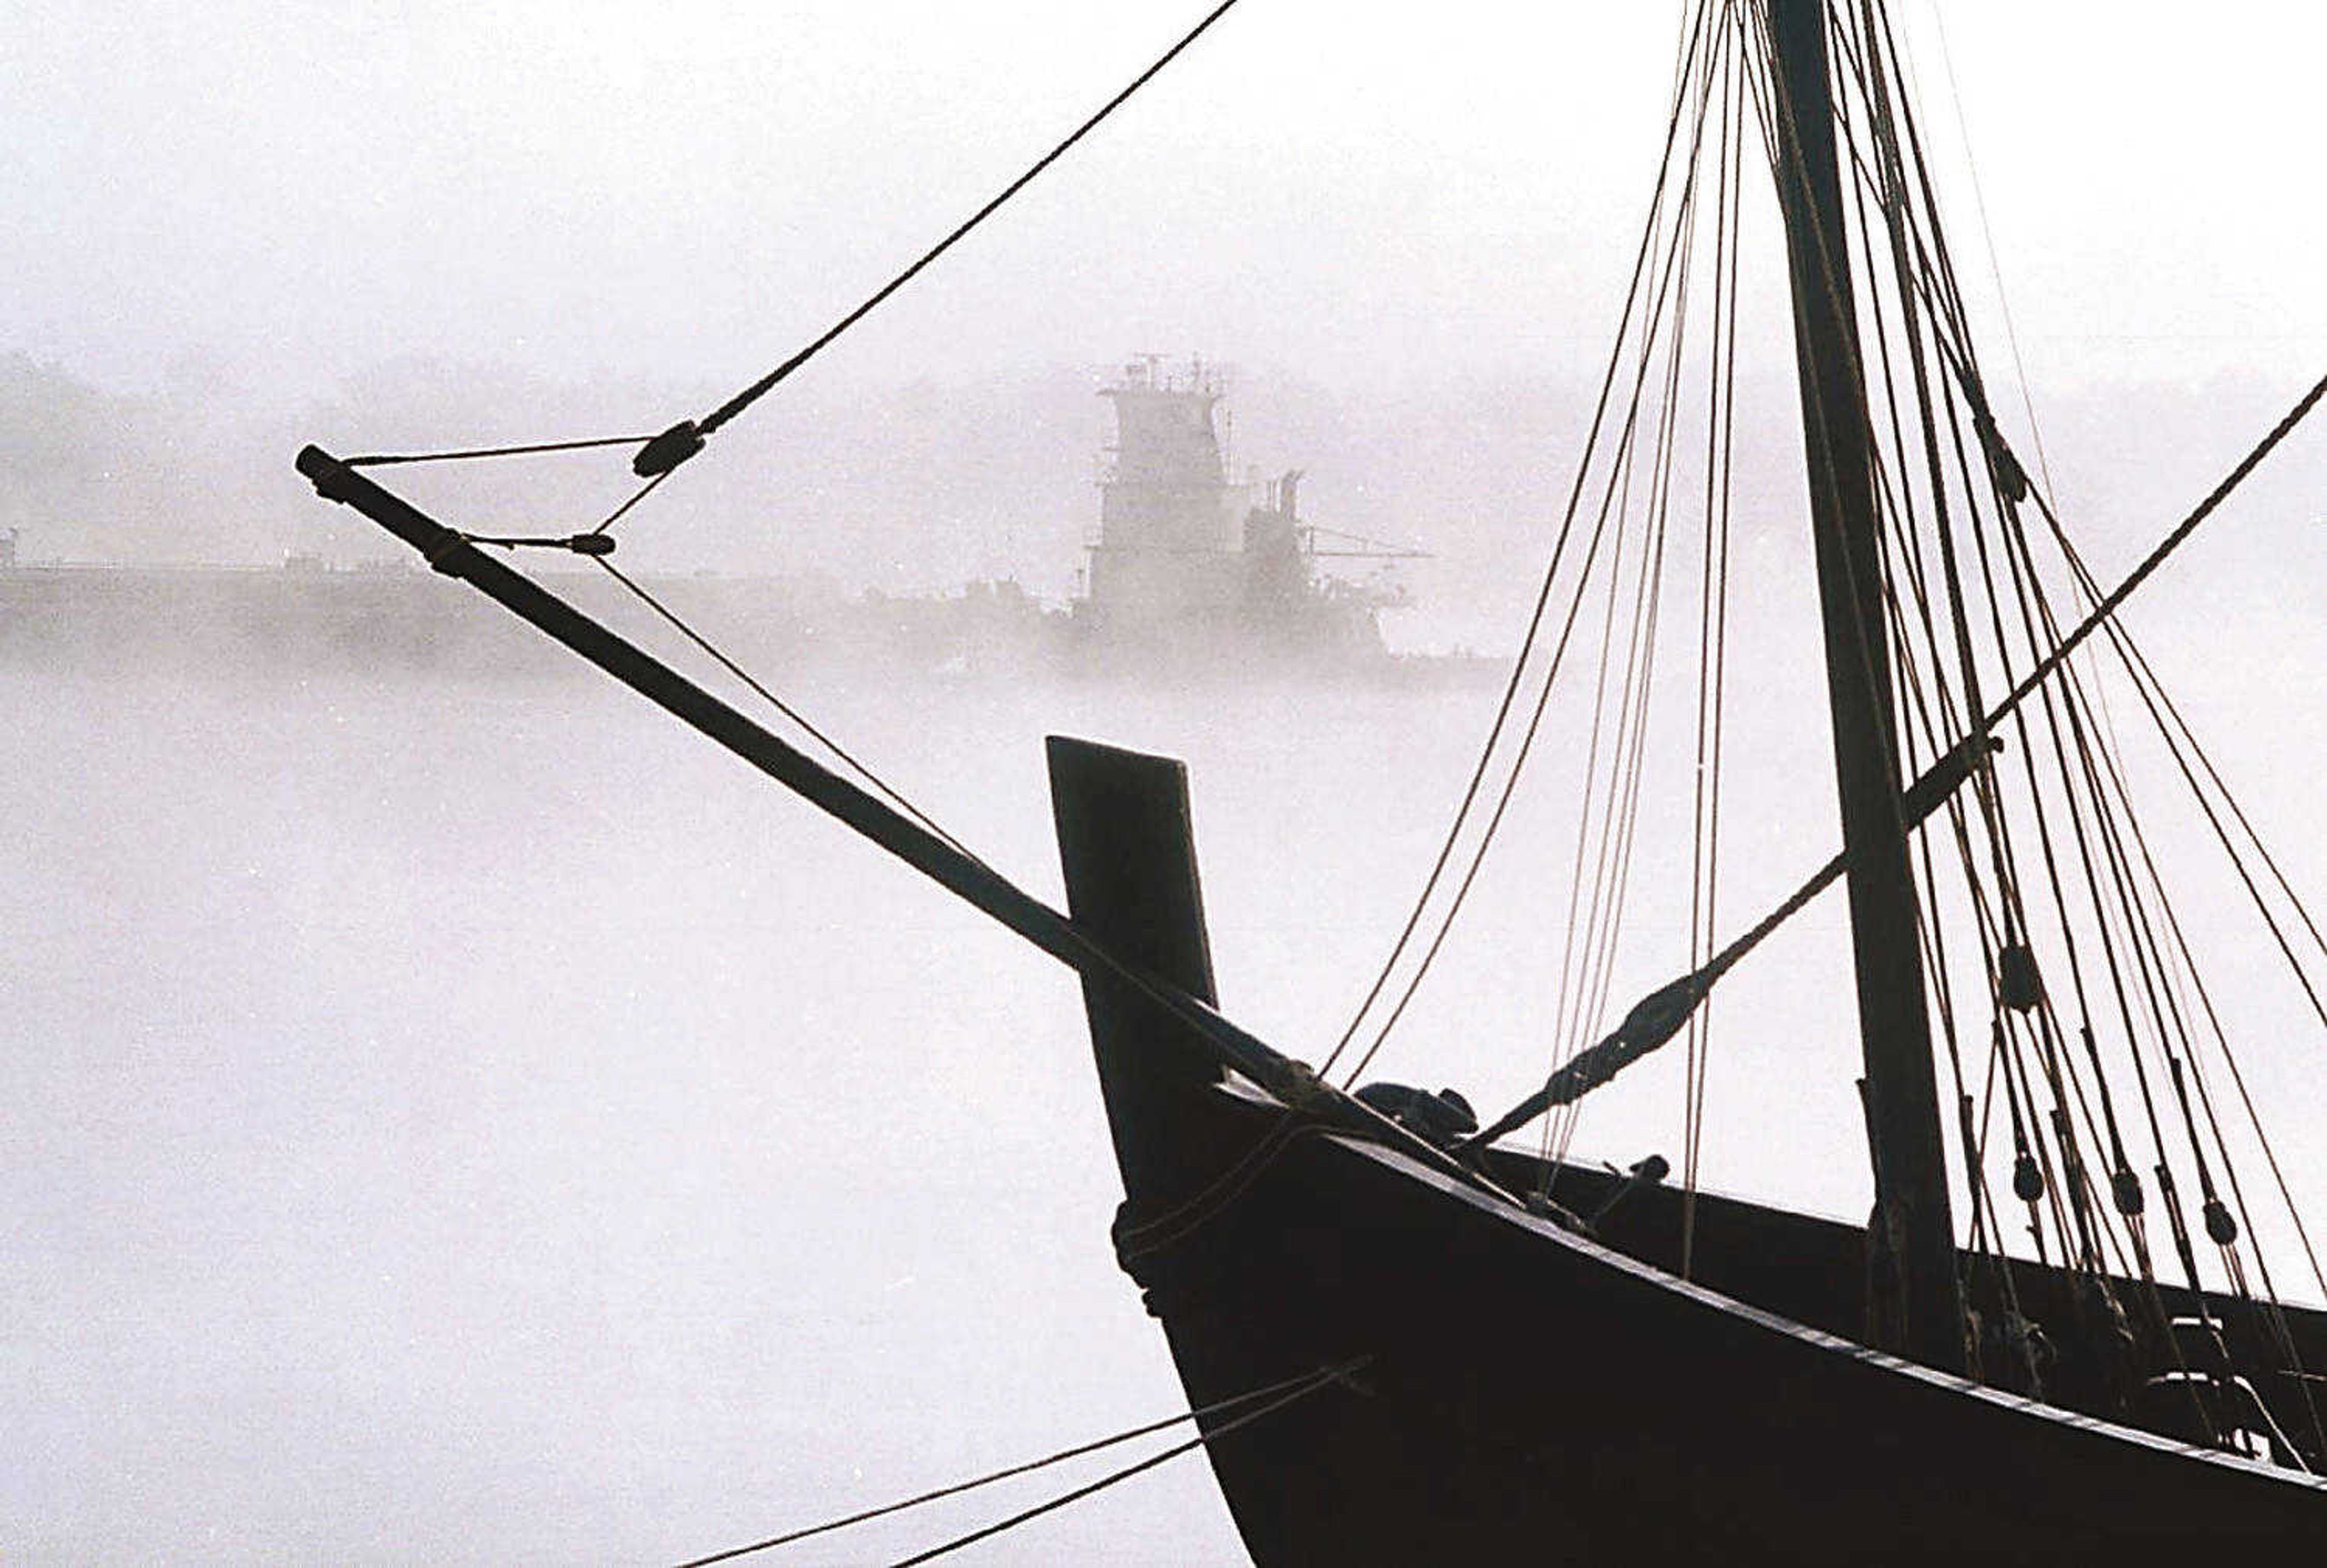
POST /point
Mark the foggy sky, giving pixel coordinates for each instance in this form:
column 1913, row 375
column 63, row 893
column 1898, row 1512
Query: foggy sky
column 242, row 225
column 288, row 195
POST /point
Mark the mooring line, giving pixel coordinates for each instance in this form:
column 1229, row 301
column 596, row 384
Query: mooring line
column 1285, row 1392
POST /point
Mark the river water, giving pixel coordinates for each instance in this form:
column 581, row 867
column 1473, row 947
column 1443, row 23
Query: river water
column 461, row 1122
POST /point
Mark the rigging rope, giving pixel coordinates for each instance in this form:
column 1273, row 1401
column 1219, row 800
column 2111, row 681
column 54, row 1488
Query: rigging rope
column 788, row 712
column 1105, row 1481
column 1530, row 639
column 1939, row 285
column 1930, row 283
column 2157, row 558
column 682, row 441
column 1925, row 282
column 1987, row 229
column 638, row 495
column 1712, row 642
column 1286, row 1391
column 381, row 459
column 2052, row 662
column 1673, row 270
column 2123, row 905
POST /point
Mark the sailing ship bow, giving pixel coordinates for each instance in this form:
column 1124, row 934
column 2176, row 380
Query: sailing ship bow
column 1742, row 1385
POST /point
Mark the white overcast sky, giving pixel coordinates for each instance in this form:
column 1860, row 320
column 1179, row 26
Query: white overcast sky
column 689, row 189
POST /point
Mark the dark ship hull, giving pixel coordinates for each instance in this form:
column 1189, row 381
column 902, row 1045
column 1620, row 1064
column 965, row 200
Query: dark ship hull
column 1524, row 1389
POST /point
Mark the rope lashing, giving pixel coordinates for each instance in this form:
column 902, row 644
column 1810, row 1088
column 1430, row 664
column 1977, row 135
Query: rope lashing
column 580, row 544
column 1654, row 1020
column 667, row 451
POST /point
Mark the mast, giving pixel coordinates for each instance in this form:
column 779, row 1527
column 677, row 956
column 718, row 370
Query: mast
column 1912, row 1238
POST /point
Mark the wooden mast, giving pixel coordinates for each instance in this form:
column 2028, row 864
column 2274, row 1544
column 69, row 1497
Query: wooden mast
column 1912, row 1235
